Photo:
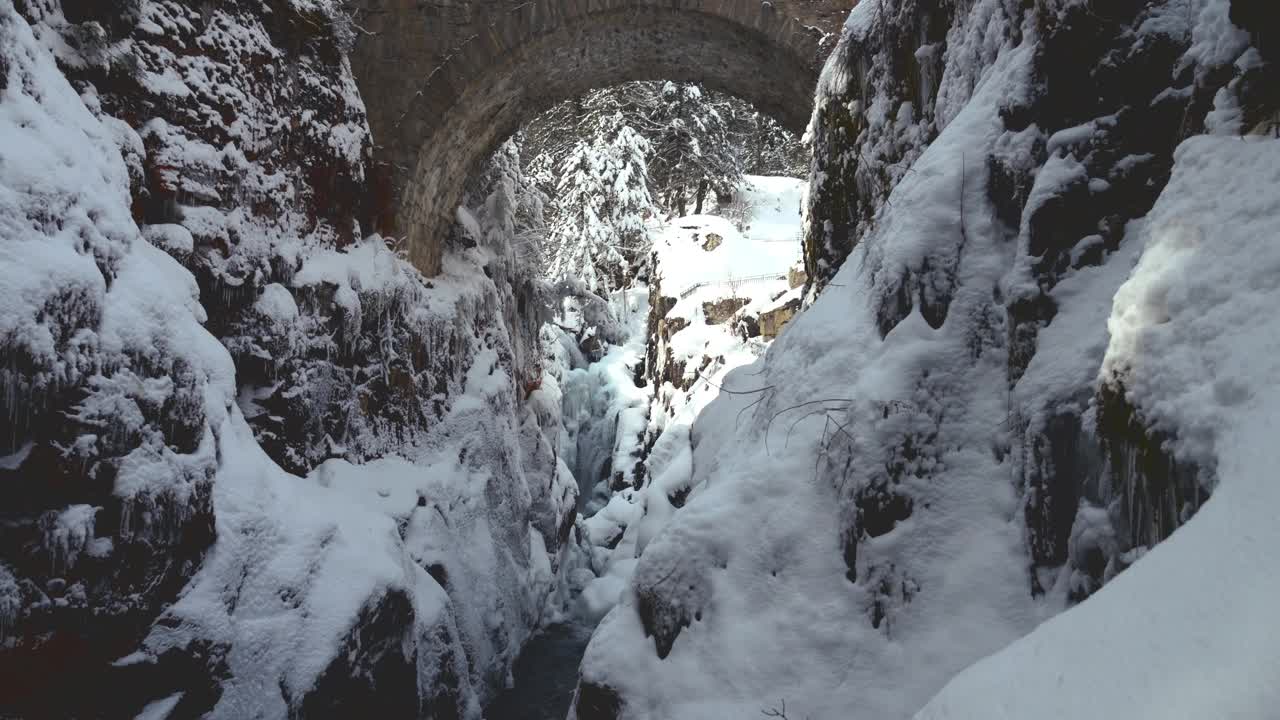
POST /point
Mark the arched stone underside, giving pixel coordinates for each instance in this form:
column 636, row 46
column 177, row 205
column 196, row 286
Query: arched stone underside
column 436, row 118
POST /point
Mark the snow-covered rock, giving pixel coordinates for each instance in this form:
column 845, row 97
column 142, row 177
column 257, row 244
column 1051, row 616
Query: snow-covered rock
column 179, row 202
column 1194, row 344
column 924, row 466
column 713, row 277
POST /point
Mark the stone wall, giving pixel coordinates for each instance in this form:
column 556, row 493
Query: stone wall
column 445, row 83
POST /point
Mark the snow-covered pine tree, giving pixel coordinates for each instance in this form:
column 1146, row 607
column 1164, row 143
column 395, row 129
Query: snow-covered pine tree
column 512, row 206
column 552, row 135
column 766, row 148
column 699, row 139
column 602, row 202
column 693, row 150
column 629, row 203
column 582, row 240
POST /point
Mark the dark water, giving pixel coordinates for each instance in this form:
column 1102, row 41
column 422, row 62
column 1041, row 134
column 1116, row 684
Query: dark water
column 545, row 676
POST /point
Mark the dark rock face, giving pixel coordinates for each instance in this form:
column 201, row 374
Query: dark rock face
column 1064, row 468
column 721, row 310
column 1153, row 492
column 375, row 672
column 847, row 188
column 596, row 701
column 660, row 367
column 92, row 612
column 106, row 690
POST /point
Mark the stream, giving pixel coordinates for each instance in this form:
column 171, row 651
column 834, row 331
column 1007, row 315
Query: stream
column 546, row 674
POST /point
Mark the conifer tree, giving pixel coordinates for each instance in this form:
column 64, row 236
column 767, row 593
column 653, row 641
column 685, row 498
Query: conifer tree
column 511, row 207
column 602, row 202
column 693, row 151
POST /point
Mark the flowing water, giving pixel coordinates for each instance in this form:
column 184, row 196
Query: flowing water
column 546, row 674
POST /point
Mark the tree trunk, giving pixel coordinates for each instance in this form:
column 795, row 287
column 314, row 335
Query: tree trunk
column 702, row 191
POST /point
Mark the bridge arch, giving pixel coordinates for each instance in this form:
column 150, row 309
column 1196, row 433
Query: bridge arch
column 445, row 82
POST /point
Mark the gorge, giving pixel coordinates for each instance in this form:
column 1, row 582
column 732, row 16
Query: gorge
column 972, row 421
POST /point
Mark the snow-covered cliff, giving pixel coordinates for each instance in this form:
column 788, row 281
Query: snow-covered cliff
column 953, row 442
column 200, row 352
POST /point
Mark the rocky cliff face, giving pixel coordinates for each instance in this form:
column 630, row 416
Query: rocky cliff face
column 1087, row 149
column 186, row 287
column 931, row 460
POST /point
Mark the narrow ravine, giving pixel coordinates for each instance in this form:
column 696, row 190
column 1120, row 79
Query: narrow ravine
column 626, row 425
column 600, row 402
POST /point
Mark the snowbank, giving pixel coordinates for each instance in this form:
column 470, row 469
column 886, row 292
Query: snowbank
column 1196, row 344
column 714, row 251
column 758, row 544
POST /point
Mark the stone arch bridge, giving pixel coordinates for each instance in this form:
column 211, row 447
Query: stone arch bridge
column 446, row 81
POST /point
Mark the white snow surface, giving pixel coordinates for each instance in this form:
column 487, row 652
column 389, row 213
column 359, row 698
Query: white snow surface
column 308, row 554
column 160, row 709
column 63, row 195
column 767, row 244
column 1189, row 631
column 755, row 553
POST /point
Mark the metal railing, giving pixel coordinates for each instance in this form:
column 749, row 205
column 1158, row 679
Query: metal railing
column 730, row 281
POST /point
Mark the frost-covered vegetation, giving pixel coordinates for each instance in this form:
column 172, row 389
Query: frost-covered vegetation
column 600, row 232
column 615, row 159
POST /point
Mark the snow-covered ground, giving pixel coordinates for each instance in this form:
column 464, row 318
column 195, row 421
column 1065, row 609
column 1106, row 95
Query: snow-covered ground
column 760, row 229
column 708, row 259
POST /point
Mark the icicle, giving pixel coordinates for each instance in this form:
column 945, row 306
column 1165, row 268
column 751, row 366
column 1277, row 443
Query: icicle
column 10, row 602
column 66, row 535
